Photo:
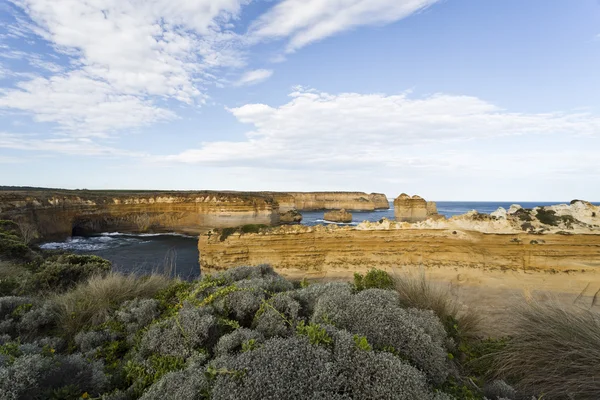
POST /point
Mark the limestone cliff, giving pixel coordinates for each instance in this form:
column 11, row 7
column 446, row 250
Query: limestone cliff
column 548, row 239
column 59, row 213
column 327, row 250
column 413, row 209
column 310, row 201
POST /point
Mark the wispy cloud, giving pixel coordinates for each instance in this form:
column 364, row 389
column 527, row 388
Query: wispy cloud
column 307, row 21
column 130, row 54
column 254, row 77
column 65, row 145
column 318, row 130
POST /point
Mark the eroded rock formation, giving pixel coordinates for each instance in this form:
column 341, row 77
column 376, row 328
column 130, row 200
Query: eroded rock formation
column 338, row 216
column 545, row 239
column 413, row 209
column 290, row 217
column 58, row 213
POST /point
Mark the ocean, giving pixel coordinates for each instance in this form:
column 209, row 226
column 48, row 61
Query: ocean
column 178, row 254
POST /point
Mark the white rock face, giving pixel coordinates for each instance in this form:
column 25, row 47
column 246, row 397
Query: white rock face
column 514, row 208
column 500, row 213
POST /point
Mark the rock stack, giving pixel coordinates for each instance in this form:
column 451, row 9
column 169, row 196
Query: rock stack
column 413, row 209
column 338, row 216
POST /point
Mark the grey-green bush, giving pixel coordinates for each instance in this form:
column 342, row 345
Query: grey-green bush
column 376, row 314
column 33, row 376
column 277, row 316
column 179, row 336
column 233, row 342
column 283, row 368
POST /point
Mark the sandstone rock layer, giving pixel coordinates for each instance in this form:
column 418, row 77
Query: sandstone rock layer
column 299, row 251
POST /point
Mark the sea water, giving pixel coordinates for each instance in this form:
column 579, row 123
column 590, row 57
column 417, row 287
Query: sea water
column 178, row 254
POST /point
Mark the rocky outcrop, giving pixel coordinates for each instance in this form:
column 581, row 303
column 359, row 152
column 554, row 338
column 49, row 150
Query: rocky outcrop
column 290, row 217
column 61, row 213
column 338, row 216
column 310, row 201
column 339, row 251
column 413, row 209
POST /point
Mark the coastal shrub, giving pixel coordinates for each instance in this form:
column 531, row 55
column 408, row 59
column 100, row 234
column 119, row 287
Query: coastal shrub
column 547, row 217
column 241, row 306
column 277, row 316
column 40, row 320
column 374, row 279
column 239, row 340
column 416, row 291
column 191, row 330
column 9, row 227
column 12, row 247
column 308, row 296
column 552, row 351
column 524, row 214
column 138, row 313
column 34, row 376
column 90, row 341
column 144, row 374
column 246, row 272
column 92, row 302
column 67, row 271
column 499, row 389
column 189, row 384
column 283, row 368
column 376, row 314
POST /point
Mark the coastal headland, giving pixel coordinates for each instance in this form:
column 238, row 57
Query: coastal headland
column 56, row 214
column 555, row 248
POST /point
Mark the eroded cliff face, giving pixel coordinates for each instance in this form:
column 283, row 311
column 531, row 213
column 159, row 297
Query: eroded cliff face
column 328, row 250
column 545, row 239
column 309, row 201
column 58, row 214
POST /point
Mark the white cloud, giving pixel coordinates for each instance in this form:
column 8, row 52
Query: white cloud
column 254, row 77
column 318, row 130
column 81, row 105
column 307, row 21
column 130, row 52
column 65, row 145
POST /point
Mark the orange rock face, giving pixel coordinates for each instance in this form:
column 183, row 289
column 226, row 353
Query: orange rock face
column 333, row 251
column 58, row 214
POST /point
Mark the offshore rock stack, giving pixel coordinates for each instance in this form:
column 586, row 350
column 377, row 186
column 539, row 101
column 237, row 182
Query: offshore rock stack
column 338, row 216
column 414, row 209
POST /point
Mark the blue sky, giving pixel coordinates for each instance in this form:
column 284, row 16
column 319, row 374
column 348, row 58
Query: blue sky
column 449, row 99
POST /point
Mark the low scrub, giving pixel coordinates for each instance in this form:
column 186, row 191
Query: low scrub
column 553, row 352
column 92, row 302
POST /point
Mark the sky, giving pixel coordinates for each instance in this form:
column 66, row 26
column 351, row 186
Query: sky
column 449, row 99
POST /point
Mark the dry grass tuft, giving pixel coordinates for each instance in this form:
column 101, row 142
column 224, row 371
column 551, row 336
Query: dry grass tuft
column 554, row 351
column 417, row 291
column 91, row 303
